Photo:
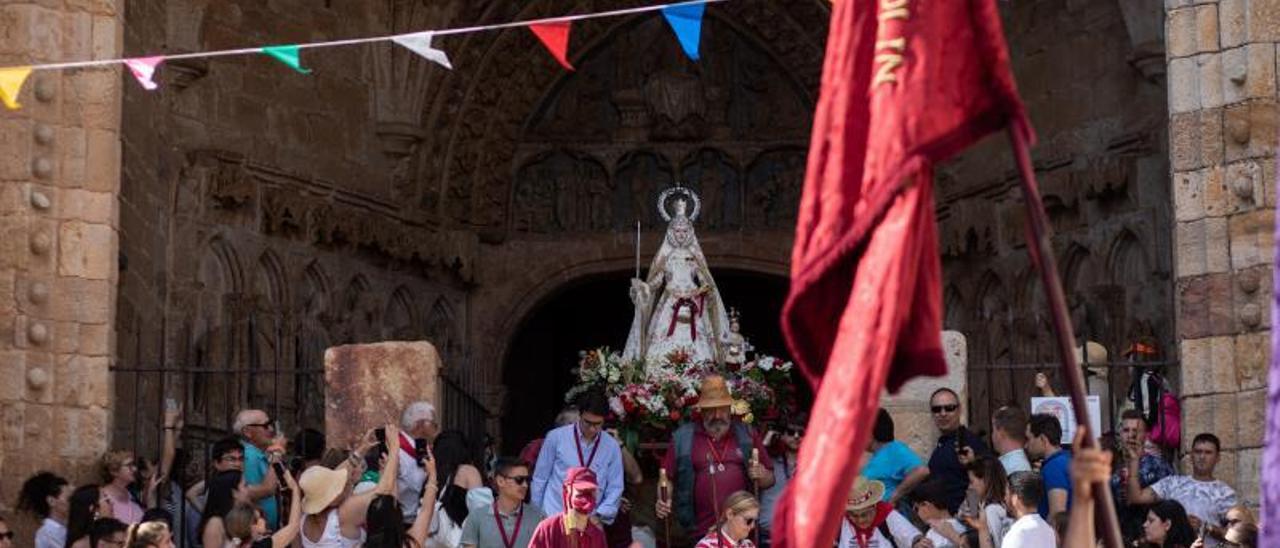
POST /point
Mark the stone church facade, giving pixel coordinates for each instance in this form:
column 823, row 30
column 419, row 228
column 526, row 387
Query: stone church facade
column 208, row 241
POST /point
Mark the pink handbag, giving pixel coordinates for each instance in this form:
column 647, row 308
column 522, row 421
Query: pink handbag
column 1167, row 431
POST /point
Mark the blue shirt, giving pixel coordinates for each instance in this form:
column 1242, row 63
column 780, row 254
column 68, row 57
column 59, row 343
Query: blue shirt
column 890, row 465
column 255, row 472
column 560, row 453
column 1056, row 475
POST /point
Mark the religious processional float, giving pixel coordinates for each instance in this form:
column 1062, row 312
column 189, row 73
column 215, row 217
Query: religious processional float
column 681, row 332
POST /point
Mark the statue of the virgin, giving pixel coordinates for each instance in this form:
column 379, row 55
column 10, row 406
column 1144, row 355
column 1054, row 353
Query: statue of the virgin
column 678, row 307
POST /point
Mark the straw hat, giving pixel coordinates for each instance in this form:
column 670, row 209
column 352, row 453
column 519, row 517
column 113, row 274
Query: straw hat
column 714, row 393
column 864, row 494
column 320, row 487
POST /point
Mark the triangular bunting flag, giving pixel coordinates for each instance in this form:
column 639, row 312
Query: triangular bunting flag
column 287, row 55
column 144, row 69
column 686, row 21
column 555, row 36
column 420, row 43
column 11, row 80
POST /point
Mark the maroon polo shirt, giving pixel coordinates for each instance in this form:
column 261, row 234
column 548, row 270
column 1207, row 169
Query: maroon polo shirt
column 733, row 478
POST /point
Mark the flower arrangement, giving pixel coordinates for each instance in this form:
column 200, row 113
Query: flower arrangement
column 648, row 401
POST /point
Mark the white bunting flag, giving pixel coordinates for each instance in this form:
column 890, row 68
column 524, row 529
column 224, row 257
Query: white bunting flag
column 420, row 43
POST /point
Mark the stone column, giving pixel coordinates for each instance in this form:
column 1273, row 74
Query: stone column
column 1222, row 131
column 59, row 180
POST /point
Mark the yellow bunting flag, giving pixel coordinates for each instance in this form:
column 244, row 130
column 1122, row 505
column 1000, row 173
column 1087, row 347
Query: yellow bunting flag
column 11, row 80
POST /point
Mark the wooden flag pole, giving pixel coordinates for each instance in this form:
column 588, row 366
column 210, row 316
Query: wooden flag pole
column 1038, row 233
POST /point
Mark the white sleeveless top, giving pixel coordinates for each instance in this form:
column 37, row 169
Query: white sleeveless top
column 332, row 535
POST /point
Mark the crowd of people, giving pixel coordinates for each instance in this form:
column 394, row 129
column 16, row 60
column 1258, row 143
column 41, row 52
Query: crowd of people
column 412, row 485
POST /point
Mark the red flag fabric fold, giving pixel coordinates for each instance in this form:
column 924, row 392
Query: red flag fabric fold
column 906, row 84
column 555, row 36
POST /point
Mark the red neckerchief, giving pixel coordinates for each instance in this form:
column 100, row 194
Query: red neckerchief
column 503, row 530
column 864, row 536
column 577, row 442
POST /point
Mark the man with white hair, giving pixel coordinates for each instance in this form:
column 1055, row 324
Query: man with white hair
column 257, row 434
column 418, row 422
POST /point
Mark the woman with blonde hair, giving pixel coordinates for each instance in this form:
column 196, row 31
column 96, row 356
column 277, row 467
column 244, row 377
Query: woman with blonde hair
column 150, row 534
column 119, row 470
column 737, row 519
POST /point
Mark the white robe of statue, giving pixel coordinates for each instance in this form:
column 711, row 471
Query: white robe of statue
column 678, row 307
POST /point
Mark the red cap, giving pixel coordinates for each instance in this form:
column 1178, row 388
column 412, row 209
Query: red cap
column 580, row 478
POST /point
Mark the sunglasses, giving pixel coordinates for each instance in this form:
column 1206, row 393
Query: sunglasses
column 795, row 432
column 749, row 521
column 520, row 480
column 267, row 425
column 7, row 535
column 949, row 408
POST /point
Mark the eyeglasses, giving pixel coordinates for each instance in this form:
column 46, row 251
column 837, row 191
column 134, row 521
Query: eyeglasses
column 795, row 432
column 7, row 535
column 749, row 521
column 520, row 480
column 949, row 408
column 266, row 424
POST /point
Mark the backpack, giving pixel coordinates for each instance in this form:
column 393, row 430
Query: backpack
column 1166, row 431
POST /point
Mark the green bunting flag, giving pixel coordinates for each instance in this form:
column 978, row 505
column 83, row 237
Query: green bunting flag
column 287, row 55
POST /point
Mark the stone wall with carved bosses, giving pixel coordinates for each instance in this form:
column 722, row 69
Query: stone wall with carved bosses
column 1097, row 101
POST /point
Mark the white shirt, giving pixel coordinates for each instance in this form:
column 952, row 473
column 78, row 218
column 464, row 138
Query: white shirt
column 903, row 532
column 409, row 481
column 1206, row 500
column 1030, row 531
column 51, row 534
column 1015, row 461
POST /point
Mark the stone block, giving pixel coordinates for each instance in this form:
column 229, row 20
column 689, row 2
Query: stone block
column 1250, row 129
column 15, row 148
column 1205, row 306
column 1231, row 23
column 1249, row 72
column 1252, row 423
column 1202, row 247
column 102, row 160
column 12, row 425
column 82, row 432
column 1263, row 20
column 1208, row 365
column 1206, row 27
column 82, row 381
column 1188, row 196
column 1217, row 198
column 1196, row 140
column 1214, row 413
column 13, row 369
column 40, row 377
column 369, row 385
column 1252, row 238
column 38, row 436
column 83, row 205
column 1253, row 360
column 64, row 337
column 87, row 250
column 1210, row 70
column 74, row 148
column 92, row 98
column 1244, row 186
column 1180, row 32
column 1249, row 476
column 108, row 36
column 97, row 340
column 81, row 299
column 1184, row 85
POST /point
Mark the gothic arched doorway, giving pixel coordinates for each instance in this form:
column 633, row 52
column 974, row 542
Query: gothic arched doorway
column 594, row 311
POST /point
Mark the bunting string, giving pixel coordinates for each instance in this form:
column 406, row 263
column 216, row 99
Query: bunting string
column 286, row 53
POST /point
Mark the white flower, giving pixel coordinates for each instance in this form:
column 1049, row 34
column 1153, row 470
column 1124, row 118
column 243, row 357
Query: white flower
column 615, row 404
column 765, row 363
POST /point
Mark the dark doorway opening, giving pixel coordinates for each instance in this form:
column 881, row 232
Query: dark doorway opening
column 593, row 312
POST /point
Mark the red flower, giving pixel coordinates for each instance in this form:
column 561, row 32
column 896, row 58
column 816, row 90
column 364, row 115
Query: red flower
column 675, row 416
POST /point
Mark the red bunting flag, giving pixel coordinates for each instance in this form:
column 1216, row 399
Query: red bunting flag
column 906, row 84
column 555, row 36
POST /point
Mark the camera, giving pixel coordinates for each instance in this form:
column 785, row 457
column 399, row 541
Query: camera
column 421, row 450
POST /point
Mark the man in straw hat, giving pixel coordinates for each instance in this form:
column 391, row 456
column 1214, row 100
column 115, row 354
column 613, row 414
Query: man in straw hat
column 707, row 464
column 573, row 527
column 870, row 522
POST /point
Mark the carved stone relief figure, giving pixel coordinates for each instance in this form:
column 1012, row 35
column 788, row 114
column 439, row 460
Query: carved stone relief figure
column 717, row 182
column 641, row 176
column 774, row 182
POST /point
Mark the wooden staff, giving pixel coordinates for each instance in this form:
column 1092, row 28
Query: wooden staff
column 1038, row 233
column 755, row 486
column 664, row 495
